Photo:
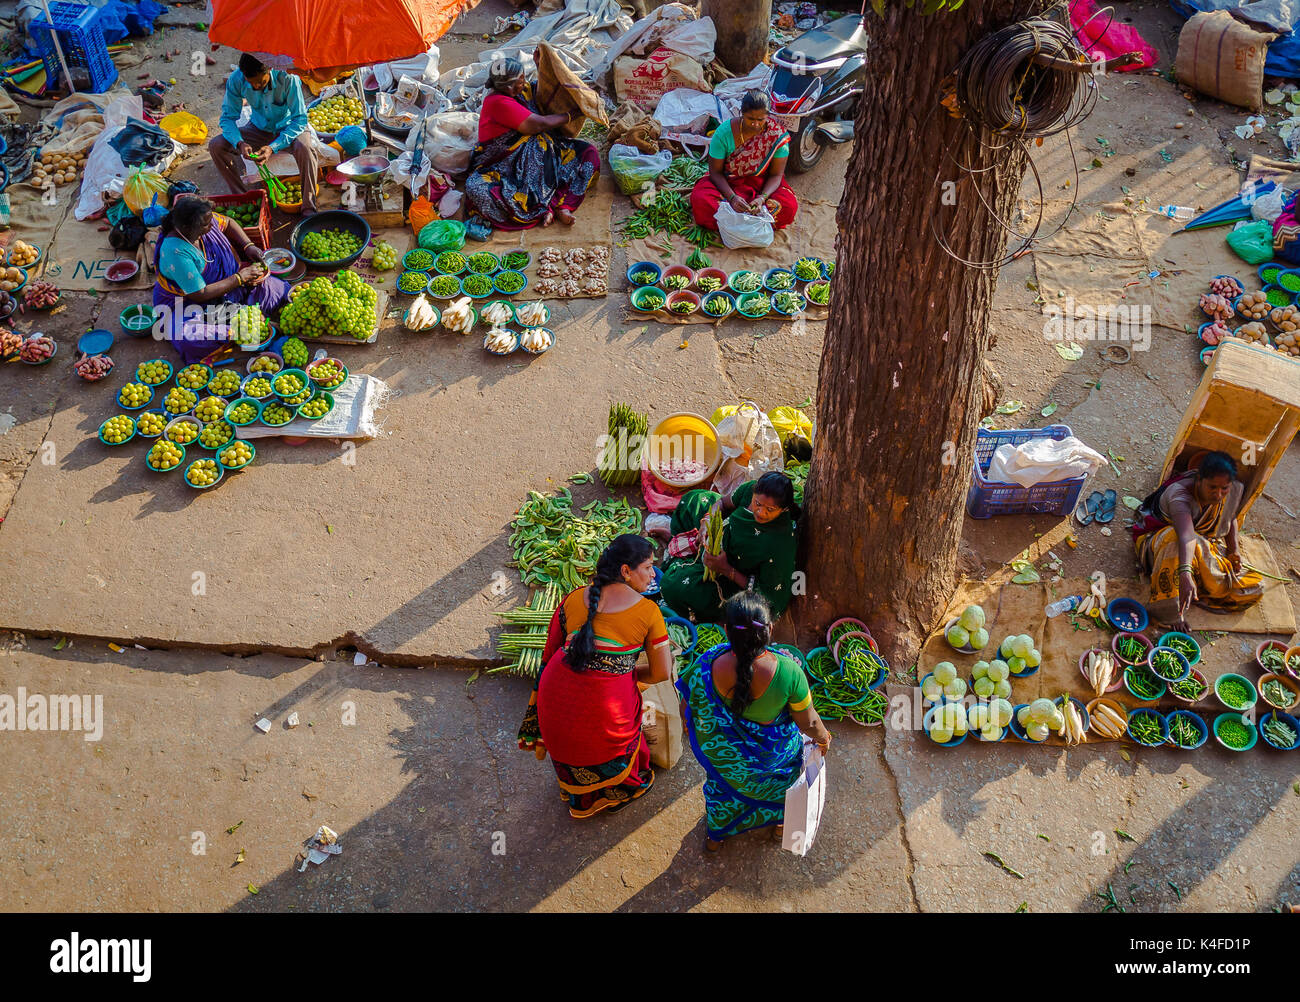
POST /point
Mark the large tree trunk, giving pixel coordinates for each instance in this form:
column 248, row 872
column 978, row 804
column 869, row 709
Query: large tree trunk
column 743, row 27
column 900, row 389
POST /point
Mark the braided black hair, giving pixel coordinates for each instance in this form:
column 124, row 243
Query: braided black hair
column 749, row 630
column 626, row 550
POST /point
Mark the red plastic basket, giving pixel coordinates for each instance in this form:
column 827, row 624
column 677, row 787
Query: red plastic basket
column 987, row 498
column 261, row 233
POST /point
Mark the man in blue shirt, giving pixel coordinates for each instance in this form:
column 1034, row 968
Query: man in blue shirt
column 279, row 122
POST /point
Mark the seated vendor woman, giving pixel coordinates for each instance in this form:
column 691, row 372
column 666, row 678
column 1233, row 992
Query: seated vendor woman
column 759, row 540
column 1185, row 537
column 747, row 158
column 204, row 260
column 523, row 172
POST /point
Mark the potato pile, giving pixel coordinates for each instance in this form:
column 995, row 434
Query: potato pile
column 1215, row 332
column 1254, row 305
column 1253, row 332
column 23, row 254
column 57, row 168
column 10, row 279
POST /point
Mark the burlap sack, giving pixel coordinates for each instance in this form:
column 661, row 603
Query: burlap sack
column 559, row 90
column 645, row 81
column 631, row 126
column 1221, row 57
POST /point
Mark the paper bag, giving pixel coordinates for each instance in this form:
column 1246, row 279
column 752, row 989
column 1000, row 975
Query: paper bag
column 559, row 90
column 661, row 723
column 804, row 802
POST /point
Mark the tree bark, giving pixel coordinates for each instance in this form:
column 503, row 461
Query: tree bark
column 901, row 382
column 743, row 27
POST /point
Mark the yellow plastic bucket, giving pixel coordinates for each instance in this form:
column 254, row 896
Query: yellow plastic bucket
column 684, row 437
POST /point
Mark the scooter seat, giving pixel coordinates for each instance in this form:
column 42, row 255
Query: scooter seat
column 841, row 38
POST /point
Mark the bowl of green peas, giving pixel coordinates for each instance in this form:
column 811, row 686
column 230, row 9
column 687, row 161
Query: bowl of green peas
column 1236, row 692
column 1234, row 732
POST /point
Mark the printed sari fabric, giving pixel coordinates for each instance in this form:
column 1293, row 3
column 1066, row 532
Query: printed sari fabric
column 589, row 722
column 765, row 551
column 192, row 337
column 746, row 170
column 1156, row 545
column 515, row 180
column 748, row 766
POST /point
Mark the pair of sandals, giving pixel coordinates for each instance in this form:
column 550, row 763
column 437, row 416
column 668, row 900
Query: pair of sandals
column 1099, row 507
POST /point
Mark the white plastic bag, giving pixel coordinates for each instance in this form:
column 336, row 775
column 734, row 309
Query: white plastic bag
column 1269, row 206
column 104, row 167
column 449, row 204
column 685, row 110
column 750, row 447
column 739, row 229
column 804, row 803
column 448, row 139
column 695, row 39
column 424, row 66
column 1043, row 461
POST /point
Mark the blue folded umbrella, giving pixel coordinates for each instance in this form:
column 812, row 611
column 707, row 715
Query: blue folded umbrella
column 1231, row 210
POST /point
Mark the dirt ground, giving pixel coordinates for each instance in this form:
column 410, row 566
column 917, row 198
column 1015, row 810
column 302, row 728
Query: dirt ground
column 396, row 553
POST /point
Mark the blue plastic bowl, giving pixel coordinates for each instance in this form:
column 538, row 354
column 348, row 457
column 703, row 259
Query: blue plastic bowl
column 643, row 266
column 1287, row 719
column 1083, row 711
column 423, row 287
column 654, row 588
column 499, row 275
column 945, row 699
column 1207, row 353
column 1240, row 284
column 1127, row 615
column 690, row 627
column 768, row 275
column 135, row 430
column 138, row 407
column 1187, row 666
column 1160, row 718
column 1277, row 267
column 1182, row 636
column 928, row 720
column 789, row 313
column 1015, row 727
column 1197, row 721
column 96, row 342
column 730, row 300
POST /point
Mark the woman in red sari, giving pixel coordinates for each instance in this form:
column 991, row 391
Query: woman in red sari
column 585, row 709
column 747, row 158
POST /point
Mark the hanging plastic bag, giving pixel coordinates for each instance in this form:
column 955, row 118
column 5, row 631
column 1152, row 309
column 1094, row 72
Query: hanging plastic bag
column 740, row 229
column 142, row 187
column 633, row 170
column 750, row 447
column 443, row 235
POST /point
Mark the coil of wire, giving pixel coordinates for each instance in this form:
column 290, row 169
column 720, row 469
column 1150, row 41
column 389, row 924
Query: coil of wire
column 1000, row 86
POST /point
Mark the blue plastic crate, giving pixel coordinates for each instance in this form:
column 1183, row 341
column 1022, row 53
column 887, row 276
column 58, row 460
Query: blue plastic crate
column 82, row 42
column 987, row 498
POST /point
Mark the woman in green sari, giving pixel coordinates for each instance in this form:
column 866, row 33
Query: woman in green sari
column 759, row 542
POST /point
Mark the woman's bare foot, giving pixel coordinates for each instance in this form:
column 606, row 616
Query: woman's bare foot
column 565, row 216
column 711, row 846
column 548, row 219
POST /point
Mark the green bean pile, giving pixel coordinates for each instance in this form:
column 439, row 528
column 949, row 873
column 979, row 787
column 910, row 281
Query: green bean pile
column 1187, row 648
column 1183, row 732
column 819, row 293
column 1166, row 664
column 1142, row 682
column 709, row 635
column 682, row 173
column 788, row 302
column 450, row 262
column 780, row 280
column 679, row 637
column 756, row 305
column 1271, row 659
column 1277, row 693
column 1131, row 649
column 808, row 269
column 1145, row 728
column 526, row 647
column 1190, row 687
column 669, row 213
column 550, row 544
column 747, row 281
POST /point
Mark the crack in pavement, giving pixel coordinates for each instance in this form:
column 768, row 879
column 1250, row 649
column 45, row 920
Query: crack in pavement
column 902, row 820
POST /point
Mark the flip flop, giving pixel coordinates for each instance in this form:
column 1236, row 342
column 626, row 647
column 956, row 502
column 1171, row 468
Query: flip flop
column 1107, row 513
column 1090, row 508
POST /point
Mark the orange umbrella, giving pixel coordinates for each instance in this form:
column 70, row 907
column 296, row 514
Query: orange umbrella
column 333, row 33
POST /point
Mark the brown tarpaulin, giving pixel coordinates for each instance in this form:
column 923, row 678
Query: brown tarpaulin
column 559, row 91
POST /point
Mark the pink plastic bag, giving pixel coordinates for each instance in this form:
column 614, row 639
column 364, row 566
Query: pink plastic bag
column 659, row 497
column 1103, row 38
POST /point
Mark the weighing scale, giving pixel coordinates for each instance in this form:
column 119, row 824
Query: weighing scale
column 367, row 172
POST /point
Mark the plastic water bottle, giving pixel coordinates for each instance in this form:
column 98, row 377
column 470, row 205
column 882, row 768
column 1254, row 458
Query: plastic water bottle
column 1062, row 605
column 1180, row 212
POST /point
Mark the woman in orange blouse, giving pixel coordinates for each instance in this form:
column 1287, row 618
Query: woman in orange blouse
column 585, row 710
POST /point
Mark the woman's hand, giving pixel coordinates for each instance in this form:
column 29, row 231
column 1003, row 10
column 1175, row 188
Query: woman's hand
column 824, row 746
column 1234, row 558
column 252, row 274
column 1186, row 594
column 717, row 562
column 739, row 204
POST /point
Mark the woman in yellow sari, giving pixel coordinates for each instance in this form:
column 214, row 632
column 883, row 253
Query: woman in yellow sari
column 1185, row 537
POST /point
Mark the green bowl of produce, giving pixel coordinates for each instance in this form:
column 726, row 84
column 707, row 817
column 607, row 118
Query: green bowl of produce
column 477, row 286
column 226, row 453
column 244, row 411
column 1280, row 731
column 317, row 407
column 117, row 430
column 745, row 281
column 719, row 305
column 289, row 383
column 194, row 376
column 136, row 321
column 275, row 414
column 1235, row 732
column 418, row 259
column 224, row 383
column 1143, row 684
column 207, row 468
column 1234, row 691
column 516, row 260
column 509, row 282
column 808, row 269
column 754, row 305
column 153, row 371
column 152, row 457
column 483, row 263
column 1183, row 644
column 444, row 286
column 412, row 283
column 450, row 263
column 216, row 435
column 648, row 299
column 818, row 293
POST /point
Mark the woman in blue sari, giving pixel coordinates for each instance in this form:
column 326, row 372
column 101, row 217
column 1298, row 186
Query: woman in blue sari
column 205, row 260
column 746, row 708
